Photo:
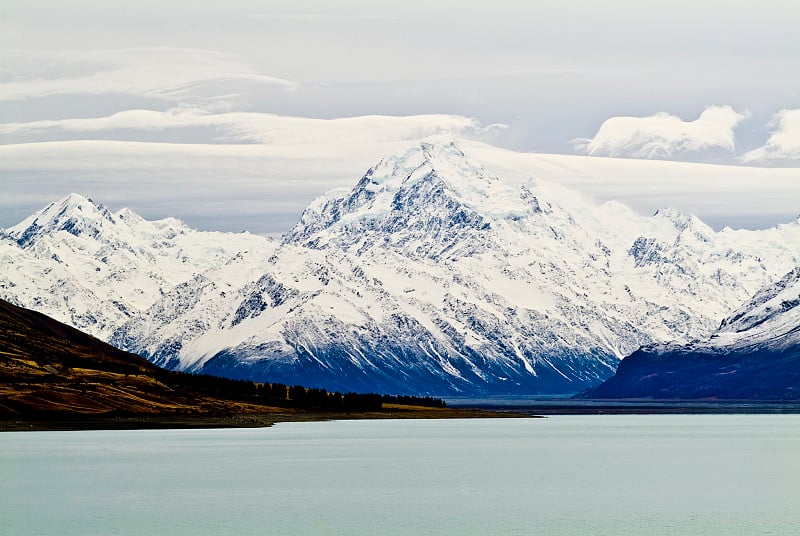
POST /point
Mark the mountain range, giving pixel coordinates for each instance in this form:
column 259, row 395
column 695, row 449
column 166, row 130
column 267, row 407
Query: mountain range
column 430, row 276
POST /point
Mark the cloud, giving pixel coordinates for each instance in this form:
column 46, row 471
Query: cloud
column 721, row 195
column 253, row 127
column 663, row 136
column 231, row 187
column 323, row 17
column 784, row 142
column 265, row 187
column 261, row 182
column 166, row 73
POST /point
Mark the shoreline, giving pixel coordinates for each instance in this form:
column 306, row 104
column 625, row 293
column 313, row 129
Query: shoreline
column 265, row 419
column 502, row 409
column 561, row 406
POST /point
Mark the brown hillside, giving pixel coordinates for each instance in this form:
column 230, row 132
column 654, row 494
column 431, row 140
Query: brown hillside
column 54, row 377
column 50, row 369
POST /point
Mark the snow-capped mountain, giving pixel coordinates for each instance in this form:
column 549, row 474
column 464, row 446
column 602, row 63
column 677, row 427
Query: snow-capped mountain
column 430, row 276
column 771, row 319
column 92, row 268
column 433, row 276
column 755, row 353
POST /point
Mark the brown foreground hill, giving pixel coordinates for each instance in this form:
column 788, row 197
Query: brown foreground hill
column 53, row 376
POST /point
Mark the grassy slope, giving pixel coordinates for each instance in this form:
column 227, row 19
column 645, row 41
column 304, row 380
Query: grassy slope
column 55, row 377
column 49, row 369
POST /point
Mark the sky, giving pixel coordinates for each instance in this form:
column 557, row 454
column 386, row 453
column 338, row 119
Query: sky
column 235, row 115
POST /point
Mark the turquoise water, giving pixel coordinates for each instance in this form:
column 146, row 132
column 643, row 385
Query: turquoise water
column 666, row 474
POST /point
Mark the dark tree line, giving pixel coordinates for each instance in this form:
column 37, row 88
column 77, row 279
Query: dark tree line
column 211, row 385
column 425, row 401
column 295, row 396
column 301, row 397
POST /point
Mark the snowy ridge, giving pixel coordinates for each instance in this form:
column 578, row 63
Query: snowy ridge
column 754, row 355
column 432, row 275
column 771, row 318
column 82, row 264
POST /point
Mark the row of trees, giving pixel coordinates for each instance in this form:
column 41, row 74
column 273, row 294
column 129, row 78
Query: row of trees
column 295, row 396
column 405, row 400
column 301, row 397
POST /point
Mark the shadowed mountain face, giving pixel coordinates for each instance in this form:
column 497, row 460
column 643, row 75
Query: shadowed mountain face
column 754, row 355
column 683, row 374
column 50, row 369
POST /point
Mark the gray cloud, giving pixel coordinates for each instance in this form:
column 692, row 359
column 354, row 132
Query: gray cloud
column 324, row 17
column 264, row 128
column 214, row 75
column 166, row 73
column 265, row 187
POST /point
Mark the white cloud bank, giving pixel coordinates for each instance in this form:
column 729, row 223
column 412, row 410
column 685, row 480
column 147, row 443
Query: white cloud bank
column 254, row 127
column 663, row 136
column 783, row 145
column 265, row 187
column 261, row 181
column 160, row 72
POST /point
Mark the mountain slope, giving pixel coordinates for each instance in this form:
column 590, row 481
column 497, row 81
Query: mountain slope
column 48, row 368
column 80, row 263
column 53, row 376
column 755, row 354
column 432, row 276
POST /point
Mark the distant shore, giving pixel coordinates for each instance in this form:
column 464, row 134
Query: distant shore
column 457, row 409
column 239, row 420
column 565, row 406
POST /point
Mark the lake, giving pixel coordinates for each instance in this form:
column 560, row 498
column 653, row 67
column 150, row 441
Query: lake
column 606, row 474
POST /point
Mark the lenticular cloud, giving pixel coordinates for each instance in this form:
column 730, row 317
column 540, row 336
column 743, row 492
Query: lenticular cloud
column 784, row 142
column 664, row 136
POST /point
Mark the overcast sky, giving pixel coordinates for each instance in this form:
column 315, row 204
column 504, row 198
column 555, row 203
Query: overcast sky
column 113, row 87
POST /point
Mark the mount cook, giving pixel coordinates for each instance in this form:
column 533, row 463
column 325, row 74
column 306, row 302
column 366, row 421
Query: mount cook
column 430, row 276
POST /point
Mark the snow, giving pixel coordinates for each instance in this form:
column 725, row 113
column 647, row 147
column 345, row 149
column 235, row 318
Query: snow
column 108, row 266
column 449, row 263
column 771, row 317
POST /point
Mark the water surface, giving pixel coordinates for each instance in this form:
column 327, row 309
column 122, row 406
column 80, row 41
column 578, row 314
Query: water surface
column 616, row 474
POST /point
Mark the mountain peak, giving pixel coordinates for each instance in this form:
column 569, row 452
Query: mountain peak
column 689, row 227
column 72, row 202
column 75, row 199
column 435, row 148
column 75, row 214
column 678, row 218
column 434, row 185
column 129, row 216
column 455, row 166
